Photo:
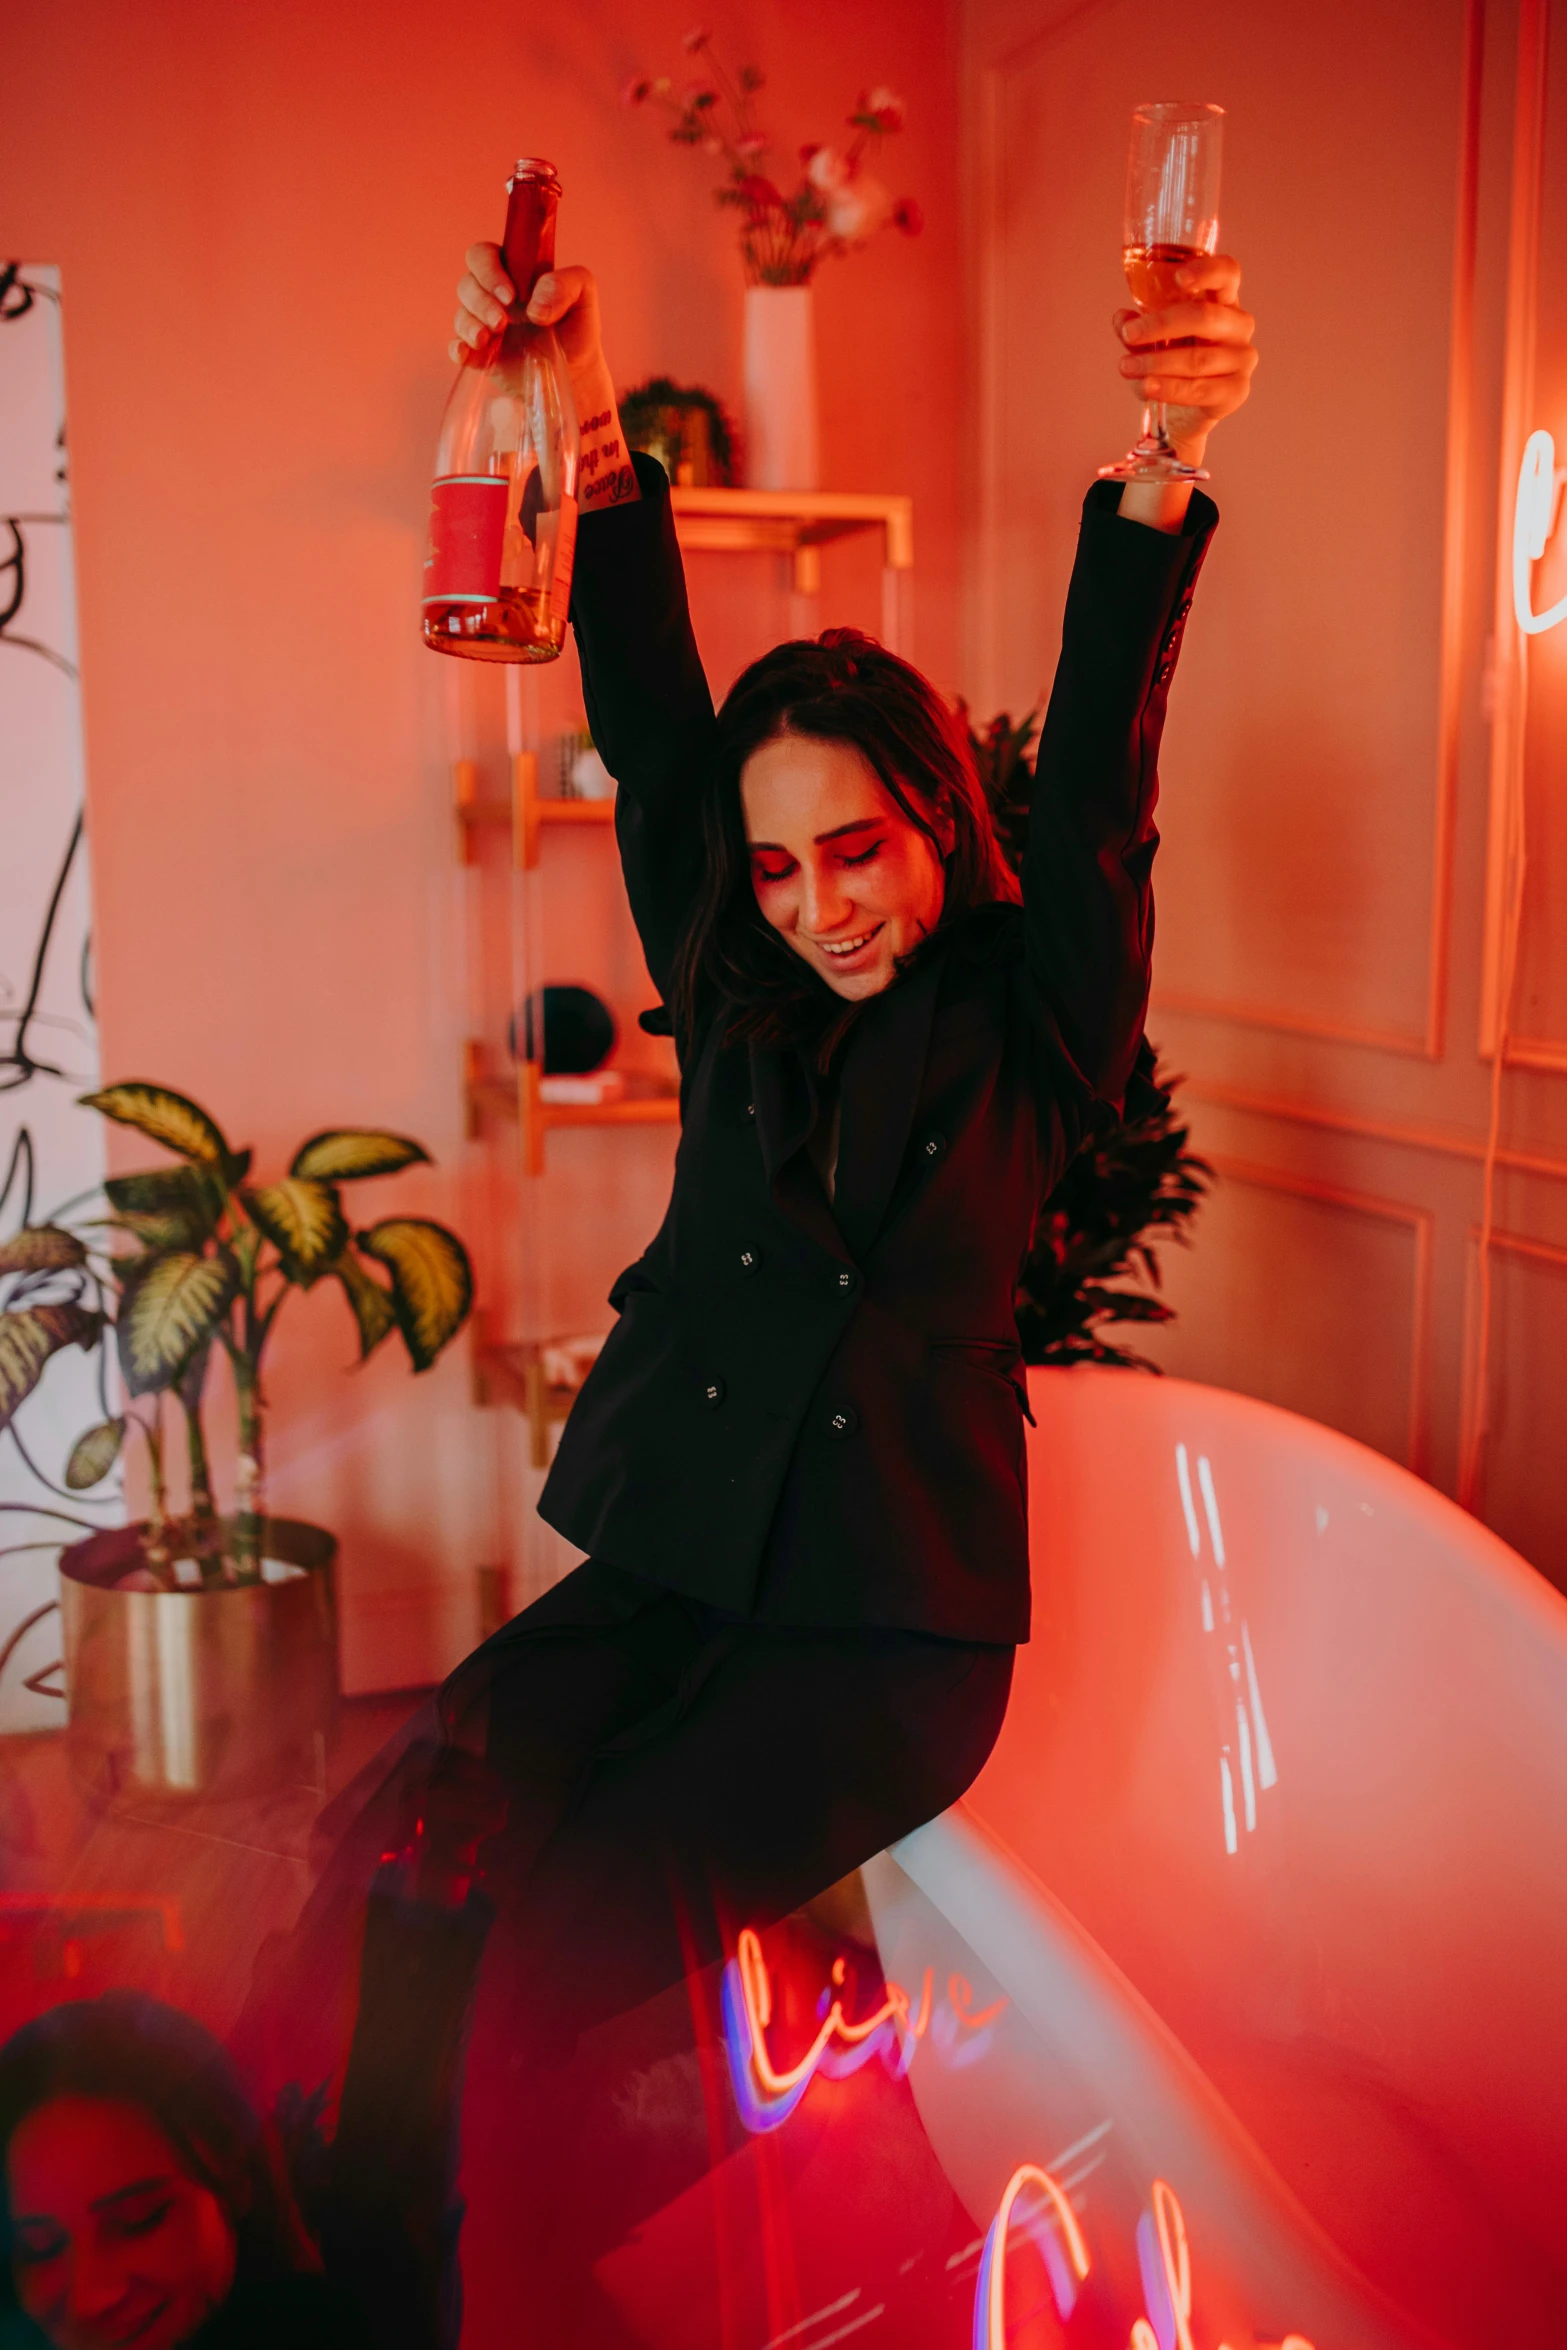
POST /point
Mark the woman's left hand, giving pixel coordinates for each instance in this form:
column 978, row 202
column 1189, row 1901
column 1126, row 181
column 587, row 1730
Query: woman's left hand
column 1197, row 355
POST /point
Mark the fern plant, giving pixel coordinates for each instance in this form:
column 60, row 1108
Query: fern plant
column 194, row 1256
column 1093, row 1263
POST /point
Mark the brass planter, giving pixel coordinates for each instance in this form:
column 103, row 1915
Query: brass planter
column 206, row 1693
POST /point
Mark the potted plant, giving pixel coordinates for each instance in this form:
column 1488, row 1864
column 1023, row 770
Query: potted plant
column 201, row 1650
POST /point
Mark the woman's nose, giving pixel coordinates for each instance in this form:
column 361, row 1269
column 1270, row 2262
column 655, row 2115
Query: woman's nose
column 824, row 901
column 96, row 2285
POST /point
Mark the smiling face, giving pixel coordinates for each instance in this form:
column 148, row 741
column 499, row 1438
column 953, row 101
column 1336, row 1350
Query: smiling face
column 112, row 2243
column 839, row 870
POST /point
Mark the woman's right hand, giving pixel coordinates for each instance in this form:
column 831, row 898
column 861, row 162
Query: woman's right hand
column 566, row 299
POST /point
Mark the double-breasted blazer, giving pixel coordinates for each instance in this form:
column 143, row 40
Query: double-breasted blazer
column 810, row 1412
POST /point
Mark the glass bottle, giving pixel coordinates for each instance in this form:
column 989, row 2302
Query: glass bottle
column 503, row 507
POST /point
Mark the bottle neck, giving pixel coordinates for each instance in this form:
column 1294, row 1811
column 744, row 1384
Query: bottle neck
column 529, row 243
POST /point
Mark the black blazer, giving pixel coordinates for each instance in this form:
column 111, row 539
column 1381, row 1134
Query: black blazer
column 809, row 1413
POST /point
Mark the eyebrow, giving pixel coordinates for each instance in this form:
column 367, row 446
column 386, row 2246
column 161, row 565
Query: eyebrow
column 775, row 848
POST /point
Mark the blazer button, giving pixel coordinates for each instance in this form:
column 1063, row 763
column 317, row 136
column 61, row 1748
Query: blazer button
column 713, row 1394
column 935, row 1146
column 750, row 1260
column 844, row 1421
column 847, row 1280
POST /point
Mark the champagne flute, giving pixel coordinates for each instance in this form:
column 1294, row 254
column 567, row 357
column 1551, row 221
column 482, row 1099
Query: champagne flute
column 1172, row 216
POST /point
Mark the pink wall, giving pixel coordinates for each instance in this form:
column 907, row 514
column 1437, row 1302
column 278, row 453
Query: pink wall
column 259, row 213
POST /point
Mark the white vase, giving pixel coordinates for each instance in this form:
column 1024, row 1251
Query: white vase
column 780, row 389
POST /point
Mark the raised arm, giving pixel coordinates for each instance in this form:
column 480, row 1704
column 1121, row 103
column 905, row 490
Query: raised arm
column 1087, row 875
column 647, row 699
column 1088, row 867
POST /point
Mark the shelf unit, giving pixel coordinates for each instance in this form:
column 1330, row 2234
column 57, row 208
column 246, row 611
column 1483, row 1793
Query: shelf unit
column 799, row 523
column 526, row 813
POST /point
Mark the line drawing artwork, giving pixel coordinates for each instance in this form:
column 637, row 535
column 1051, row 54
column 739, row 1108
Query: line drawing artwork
column 51, row 1151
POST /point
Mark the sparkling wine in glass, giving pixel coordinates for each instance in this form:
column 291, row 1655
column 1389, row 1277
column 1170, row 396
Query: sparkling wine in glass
column 1172, row 216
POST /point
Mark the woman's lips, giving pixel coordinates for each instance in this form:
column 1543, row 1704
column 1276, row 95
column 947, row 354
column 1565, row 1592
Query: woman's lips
column 847, row 954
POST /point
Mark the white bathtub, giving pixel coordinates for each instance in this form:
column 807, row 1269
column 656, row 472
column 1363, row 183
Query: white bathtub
column 1270, row 1863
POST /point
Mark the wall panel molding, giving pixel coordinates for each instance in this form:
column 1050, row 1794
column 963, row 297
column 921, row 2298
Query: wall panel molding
column 1419, row 1222
column 1369, row 1128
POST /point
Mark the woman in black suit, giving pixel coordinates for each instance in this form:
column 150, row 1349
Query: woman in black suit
column 798, row 1465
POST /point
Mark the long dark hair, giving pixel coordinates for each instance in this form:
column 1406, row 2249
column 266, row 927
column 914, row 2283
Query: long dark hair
column 839, row 687
column 134, row 2050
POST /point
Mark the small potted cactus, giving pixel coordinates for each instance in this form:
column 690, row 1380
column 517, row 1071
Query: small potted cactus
column 200, row 1648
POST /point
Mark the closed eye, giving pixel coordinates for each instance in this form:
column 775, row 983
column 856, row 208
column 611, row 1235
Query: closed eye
column 143, row 2223
column 764, row 873
column 34, row 2241
column 864, row 856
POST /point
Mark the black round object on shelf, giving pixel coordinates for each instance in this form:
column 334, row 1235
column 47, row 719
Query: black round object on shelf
column 579, row 1031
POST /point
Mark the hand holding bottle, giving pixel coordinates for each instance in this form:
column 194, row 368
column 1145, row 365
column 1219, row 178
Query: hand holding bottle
column 567, row 300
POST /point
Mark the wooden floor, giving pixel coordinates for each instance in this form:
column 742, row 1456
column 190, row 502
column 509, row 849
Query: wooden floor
column 176, row 1903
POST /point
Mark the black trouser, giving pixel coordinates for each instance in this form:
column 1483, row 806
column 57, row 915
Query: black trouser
column 672, row 1774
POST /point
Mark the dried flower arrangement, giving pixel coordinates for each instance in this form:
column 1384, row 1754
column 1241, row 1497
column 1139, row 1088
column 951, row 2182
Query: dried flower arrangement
column 837, row 203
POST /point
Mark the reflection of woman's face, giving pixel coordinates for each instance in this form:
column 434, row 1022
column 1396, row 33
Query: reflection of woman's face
column 112, row 2243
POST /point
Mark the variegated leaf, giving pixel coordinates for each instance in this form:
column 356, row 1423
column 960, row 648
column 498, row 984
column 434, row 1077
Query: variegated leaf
column 347, row 1155
column 167, row 1207
column 180, row 1125
column 303, row 1222
column 167, row 1307
column 94, row 1455
column 432, row 1281
column 41, row 1248
column 28, row 1338
column 371, row 1300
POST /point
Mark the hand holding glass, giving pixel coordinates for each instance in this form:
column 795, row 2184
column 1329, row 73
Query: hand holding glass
column 1172, row 217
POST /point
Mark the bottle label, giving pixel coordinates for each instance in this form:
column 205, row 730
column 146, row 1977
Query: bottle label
column 565, row 557
column 462, row 563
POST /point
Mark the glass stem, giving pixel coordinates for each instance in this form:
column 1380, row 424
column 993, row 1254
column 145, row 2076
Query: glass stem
column 1158, row 429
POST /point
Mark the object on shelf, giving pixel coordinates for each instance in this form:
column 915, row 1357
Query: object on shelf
column 645, row 1101
column 685, row 428
column 567, row 1361
column 590, row 778
column 579, row 1031
column 540, row 1379
column 583, row 774
column 603, row 1085
column 781, row 438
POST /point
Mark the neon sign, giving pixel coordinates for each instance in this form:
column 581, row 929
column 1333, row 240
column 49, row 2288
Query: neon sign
column 767, row 2093
column 1066, row 2268
column 1163, row 2257
column 1540, row 481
